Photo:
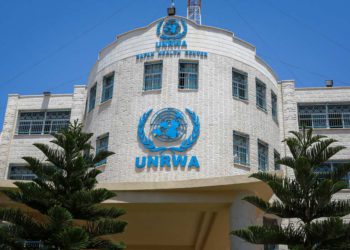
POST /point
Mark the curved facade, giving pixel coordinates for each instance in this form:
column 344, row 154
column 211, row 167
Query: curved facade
column 220, row 113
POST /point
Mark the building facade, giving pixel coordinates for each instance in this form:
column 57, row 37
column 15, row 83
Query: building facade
column 190, row 112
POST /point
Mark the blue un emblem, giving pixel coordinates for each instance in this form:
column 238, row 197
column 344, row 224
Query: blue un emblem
column 172, row 29
column 168, row 125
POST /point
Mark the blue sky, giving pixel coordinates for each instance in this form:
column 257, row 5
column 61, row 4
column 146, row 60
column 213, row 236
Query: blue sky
column 51, row 45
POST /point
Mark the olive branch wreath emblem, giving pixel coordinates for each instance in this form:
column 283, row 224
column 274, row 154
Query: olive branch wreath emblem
column 185, row 145
column 177, row 36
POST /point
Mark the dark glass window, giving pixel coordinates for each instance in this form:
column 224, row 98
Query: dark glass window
column 240, row 148
column 20, row 173
column 92, row 98
column 188, row 75
column 38, row 123
column 153, row 76
column 102, row 145
column 107, row 88
column 263, row 156
column 274, row 106
column 239, row 85
column 260, row 94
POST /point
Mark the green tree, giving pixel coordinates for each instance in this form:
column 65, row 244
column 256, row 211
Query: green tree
column 306, row 198
column 65, row 196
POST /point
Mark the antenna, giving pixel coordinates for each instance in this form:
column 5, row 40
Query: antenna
column 194, row 11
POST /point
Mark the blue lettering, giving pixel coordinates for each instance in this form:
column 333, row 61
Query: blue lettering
column 165, row 160
column 179, row 159
column 193, row 162
column 151, row 161
column 137, row 162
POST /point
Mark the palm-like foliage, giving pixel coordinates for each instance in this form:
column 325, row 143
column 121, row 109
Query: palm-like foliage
column 64, row 193
column 307, row 197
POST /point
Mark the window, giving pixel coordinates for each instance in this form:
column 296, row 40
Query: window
column 188, row 75
column 20, row 173
column 107, row 88
column 330, row 166
column 153, row 76
column 270, row 222
column 92, row 97
column 263, row 156
column 240, row 148
column 239, row 85
column 324, row 116
column 274, row 106
column 260, row 94
column 276, row 157
column 102, row 145
column 41, row 122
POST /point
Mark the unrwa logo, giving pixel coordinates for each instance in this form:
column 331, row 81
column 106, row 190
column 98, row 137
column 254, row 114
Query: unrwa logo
column 168, row 126
column 172, row 29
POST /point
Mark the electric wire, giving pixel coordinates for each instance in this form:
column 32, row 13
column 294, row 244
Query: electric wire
column 283, row 62
column 259, row 36
column 309, row 27
column 65, row 45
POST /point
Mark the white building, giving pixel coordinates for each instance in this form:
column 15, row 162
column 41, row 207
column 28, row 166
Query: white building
column 226, row 115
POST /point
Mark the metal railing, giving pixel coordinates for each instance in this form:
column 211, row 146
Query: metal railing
column 330, row 120
column 23, row 177
column 31, row 244
column 35, row 127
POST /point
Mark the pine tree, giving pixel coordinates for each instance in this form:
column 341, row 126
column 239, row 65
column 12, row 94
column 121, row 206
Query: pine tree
column 65, row 195
column 306, row 198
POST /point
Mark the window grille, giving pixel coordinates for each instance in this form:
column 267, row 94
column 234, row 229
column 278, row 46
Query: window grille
column 31, row 244
column 263, row 156
column 240, row 148
column 188, row 75
column 107, row 88
column 102, row 145
column 260, row 94
column 239, row 85
column 331, row 166
column 324, row 116
column 276, row 157
column 92, row 97
column 20, row 173
column 274, row 105
column 38, row 123
column 153, row 76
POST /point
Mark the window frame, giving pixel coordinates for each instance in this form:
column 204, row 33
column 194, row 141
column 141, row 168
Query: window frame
column 262, row 96
column 92, row 107
column 44, row 122
column 236, row 71
column 274, row 108
column 188, row 83
column 27, row 173
column 110, row 88
column 99, row 148
column 276, row 156
column 152, row 75
column 331, row 164
column 247, row 153
column 264, row 144
column 325, row 119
